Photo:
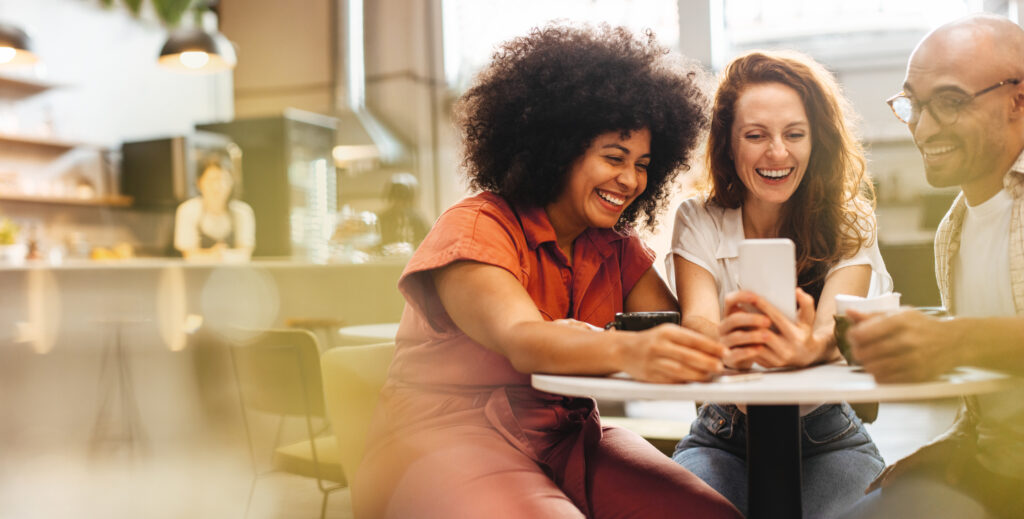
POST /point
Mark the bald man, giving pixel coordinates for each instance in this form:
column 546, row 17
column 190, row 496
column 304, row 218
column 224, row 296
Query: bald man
column 963, row 101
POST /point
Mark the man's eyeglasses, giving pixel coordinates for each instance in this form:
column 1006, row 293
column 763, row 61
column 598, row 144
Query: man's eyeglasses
column 945, row 107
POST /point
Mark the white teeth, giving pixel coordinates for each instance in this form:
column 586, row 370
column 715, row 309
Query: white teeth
column 610, row 198
column 938, row 150
column 774, row 173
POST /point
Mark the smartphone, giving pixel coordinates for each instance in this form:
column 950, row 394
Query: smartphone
column 768, row 268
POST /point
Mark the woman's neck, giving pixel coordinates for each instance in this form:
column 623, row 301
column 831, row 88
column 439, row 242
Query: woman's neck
column 212, row 207
column 761, row 220
column 566, row 231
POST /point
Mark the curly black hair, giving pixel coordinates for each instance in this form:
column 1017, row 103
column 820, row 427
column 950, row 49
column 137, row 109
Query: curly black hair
column 544, row 98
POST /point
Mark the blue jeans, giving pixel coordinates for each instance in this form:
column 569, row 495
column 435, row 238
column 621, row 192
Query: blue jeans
column 839, row 458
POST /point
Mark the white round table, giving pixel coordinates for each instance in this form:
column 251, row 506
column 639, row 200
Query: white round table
column 826, row 383
column 366, row 334
column 773, row 416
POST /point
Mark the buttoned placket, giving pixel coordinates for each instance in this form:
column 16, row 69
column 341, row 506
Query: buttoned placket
column 567, row 274
column 568, row 280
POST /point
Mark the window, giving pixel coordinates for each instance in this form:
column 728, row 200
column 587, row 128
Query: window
column 834, row 31
column 474, row 28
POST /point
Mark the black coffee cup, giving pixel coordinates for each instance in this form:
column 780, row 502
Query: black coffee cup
column 636, row 321
column 843, row 324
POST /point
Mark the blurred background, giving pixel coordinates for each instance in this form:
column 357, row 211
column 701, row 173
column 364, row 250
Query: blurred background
column 121, row 393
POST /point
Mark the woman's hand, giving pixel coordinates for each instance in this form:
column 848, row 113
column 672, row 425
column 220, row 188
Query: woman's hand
column 670, row 353
column 769, row 338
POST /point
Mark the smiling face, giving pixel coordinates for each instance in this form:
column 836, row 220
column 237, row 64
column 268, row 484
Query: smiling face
column 771, row 142
column 215, row 186
column 602, row 182
column 974, row 150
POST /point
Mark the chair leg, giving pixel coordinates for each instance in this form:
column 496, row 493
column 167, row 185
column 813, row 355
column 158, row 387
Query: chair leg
column 248, row 503
column 323, row 505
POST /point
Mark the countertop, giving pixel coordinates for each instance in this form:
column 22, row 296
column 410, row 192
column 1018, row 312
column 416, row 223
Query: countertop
column 162, row 263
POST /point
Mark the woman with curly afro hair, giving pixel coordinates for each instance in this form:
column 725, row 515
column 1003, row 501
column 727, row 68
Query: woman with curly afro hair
column 573, row 136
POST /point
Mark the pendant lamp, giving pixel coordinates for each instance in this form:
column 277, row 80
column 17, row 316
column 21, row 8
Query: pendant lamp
column 195, row 50
column 15, row 46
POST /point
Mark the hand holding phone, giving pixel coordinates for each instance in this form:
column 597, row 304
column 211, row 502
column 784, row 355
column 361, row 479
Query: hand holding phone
column 768, row 270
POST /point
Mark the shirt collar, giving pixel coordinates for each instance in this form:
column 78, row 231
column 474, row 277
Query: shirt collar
column 536, row 226
column 732, row 233
column 1014, row 180
column 538, row 230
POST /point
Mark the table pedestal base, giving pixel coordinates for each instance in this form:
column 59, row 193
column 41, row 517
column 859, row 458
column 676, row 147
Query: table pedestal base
column 773, row 461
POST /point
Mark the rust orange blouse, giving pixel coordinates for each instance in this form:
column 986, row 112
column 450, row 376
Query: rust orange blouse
column 484, row 228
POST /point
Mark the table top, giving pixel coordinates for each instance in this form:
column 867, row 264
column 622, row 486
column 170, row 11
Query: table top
column 819, row 384
column 378, row 331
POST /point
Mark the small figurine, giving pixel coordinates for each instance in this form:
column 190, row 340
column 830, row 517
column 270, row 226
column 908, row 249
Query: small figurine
column 213, row 226
column 401, row 222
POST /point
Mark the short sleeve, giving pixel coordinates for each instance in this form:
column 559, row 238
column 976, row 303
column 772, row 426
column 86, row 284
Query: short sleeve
column 636, row 260
column 186, row 225
column 694, row 235
column 869, row 254
column 473, row 230
column 245, row 224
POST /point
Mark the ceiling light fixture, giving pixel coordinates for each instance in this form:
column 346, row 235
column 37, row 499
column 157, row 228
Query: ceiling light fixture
column 199, row 47
column 15, row 46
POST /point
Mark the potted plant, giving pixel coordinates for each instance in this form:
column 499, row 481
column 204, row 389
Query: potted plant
column 11, row 251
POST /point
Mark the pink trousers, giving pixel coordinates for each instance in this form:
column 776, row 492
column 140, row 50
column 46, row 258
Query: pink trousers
column 514, row 452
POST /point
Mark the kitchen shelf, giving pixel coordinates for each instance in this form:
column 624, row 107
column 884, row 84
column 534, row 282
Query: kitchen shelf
column 101, row 201
column 20, row 88
column 42, row 142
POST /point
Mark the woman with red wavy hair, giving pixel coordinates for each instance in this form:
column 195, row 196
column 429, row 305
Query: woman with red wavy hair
column 783, row 163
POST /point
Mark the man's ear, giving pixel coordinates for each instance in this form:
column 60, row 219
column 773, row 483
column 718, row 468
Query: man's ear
column 1017, row 109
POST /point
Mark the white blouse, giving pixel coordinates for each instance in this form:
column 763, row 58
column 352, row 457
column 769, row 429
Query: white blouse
column 709, row 235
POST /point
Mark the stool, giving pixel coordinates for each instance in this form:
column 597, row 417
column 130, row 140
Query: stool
column 117, row 391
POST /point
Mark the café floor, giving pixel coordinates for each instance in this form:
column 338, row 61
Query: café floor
column 212, row 478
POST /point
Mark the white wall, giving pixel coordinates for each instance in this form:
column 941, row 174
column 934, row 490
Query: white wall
column 112, row 90
column 284, row 52
column 107, row 59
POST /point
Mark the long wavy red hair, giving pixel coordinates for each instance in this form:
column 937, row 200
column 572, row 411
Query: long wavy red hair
column 831, row 214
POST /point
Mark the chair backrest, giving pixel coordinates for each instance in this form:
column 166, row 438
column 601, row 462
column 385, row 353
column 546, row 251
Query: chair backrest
column 279, row 372
column 353, row 377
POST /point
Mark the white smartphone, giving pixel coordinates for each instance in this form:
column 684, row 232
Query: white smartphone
column 768, row 268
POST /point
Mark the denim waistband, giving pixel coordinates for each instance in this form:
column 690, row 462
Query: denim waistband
column 736, row 413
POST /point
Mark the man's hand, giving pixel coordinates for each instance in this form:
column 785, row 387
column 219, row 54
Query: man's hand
column 905, row 347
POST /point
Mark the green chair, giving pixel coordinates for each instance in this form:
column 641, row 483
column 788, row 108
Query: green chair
column 353, row 377
column 278, row 375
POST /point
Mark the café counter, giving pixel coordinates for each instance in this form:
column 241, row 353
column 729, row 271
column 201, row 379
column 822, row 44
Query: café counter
column 48, row 305
column 135, row 354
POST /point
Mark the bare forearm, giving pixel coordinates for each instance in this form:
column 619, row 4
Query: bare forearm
column 993, row 342
column 702, row 325
column 545, row 347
